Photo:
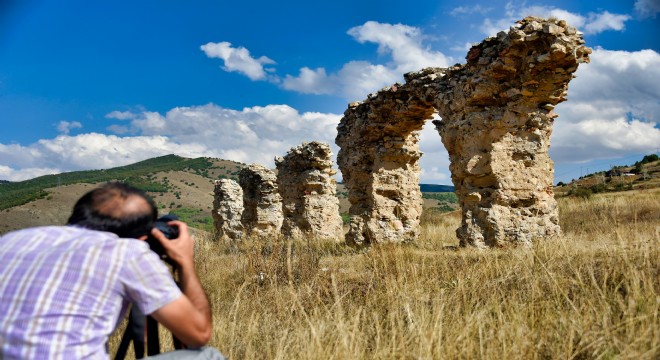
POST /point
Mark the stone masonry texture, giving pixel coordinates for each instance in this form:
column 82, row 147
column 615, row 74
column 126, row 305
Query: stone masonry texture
column 306, row 182
column 497, row 115
column 228, row 209
column 262, row 214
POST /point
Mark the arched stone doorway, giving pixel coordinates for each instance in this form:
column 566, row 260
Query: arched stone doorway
column 497, row 112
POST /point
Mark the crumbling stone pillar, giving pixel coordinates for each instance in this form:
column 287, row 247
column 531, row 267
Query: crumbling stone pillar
column 497, row 114
column 379, row 159
column 262, row 214
column 228, row 209
column 306, row 182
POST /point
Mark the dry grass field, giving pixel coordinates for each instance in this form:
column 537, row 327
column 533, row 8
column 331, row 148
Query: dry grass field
column 593, row 293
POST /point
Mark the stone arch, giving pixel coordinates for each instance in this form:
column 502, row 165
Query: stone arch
column 497, row 114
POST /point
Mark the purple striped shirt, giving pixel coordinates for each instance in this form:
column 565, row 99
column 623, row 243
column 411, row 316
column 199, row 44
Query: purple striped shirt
column 64, row 289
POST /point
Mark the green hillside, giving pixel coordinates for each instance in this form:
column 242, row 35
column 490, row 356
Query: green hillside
column 138, row 174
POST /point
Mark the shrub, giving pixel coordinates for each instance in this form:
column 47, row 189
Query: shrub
column 581, row 192
column 598, row 188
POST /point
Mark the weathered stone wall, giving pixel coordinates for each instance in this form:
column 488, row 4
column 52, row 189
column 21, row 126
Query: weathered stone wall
column 262, row 214
column 228, row 209
column 379, row 163
column 497, row 114
column 308, row 188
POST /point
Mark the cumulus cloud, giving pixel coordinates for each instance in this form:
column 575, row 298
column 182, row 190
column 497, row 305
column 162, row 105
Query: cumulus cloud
column 89, row 151
column 592, row 23
column 597, row 23
column 647, row 8
column 238, row 59
column 254, row 134
column 356, row 79
column 64, row 127
column 612, row 109
column 120, row 115
column 468, row 10
column 311, row 81
column 402, row 44
column 7, row 173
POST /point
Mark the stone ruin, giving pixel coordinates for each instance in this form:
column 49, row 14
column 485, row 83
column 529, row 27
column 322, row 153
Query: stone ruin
column 300, row 201
column 262, row 203
column 305, row 178
column 497, row 115
column 227, row 209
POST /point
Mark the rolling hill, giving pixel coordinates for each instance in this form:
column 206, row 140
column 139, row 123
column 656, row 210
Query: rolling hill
column 178, row 185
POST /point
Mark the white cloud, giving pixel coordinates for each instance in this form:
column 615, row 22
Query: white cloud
column 403, row 43
column 7, row 173
column 597, row 23
column 612, row 108
column 356, row 79
column 467, row 10
column 310, row 82
column 120, row 115
column 359, row 78
column 254, row 134
column 64, row 127
column 238, row 59
column 647, row 8
column 86, row 151
column 353, row 81
column 593, row 23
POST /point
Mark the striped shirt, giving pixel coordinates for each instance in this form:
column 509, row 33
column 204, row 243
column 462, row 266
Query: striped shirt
column 64, row 289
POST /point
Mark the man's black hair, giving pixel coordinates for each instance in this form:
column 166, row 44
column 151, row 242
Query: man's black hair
column 115, row 207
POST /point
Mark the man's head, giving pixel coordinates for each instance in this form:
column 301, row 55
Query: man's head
column 117, row 208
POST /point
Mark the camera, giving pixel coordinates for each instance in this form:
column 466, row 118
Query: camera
column 170, row 232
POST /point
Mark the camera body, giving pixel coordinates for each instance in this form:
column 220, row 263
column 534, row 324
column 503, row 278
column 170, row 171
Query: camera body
column 170, row 232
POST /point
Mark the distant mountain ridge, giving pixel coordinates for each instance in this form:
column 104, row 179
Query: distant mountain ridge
column 139, row 174
column 435, row 188
column 21, row 192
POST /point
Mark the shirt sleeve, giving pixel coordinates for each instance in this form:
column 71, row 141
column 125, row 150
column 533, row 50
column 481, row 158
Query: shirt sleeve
column 146, row 280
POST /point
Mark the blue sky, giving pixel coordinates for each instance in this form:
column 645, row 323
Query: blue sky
column 98, row 84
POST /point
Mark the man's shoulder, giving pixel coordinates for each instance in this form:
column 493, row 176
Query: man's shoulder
column 77, row 237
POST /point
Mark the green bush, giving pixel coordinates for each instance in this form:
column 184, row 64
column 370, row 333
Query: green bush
column 345, row 218
column 584, row 193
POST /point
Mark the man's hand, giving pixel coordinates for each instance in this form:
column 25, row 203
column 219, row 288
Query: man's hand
column 181, row 249
column 189, row 317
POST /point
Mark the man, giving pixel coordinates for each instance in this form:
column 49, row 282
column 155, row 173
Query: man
column 63, row 289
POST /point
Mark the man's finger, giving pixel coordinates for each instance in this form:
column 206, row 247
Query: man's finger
column 159, row 235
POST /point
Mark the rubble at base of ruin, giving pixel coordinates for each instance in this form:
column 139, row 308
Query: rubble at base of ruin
column 497, row 115
column 228, row 209
column 306, row 182
column 262, row 203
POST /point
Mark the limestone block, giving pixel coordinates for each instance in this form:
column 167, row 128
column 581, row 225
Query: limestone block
column 228, row 209
column 306, row 182
column 262, row 214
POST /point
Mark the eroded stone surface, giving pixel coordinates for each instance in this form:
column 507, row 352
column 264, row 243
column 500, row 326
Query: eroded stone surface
column 262, row 203
column 306, row 182
column 497, row 112
column 228, row 209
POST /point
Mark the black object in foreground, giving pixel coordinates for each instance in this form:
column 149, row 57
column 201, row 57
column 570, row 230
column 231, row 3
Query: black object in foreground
column 170, row 232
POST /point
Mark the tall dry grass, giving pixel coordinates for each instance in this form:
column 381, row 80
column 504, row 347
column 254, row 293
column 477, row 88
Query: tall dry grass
column 591, row 294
